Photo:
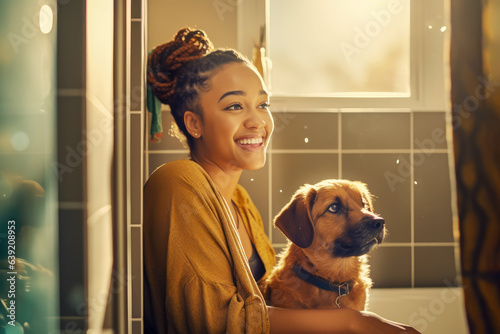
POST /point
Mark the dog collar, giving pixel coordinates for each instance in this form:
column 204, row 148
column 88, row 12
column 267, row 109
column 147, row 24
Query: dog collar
column 342, row 288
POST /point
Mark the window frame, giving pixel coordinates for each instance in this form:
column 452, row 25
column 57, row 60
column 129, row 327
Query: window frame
column 427, row 59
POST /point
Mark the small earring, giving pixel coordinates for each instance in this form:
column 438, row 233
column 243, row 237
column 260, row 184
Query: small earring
column 196, row 135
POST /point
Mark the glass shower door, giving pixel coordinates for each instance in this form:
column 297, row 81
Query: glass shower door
column 28, row 184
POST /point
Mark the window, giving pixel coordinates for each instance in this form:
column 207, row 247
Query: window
column 352, row 53
column 340, row 48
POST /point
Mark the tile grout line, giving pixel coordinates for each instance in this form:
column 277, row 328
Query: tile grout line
column 412, row 200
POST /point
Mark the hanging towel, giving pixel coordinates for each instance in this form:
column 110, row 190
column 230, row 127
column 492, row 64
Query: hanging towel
column 154, row 107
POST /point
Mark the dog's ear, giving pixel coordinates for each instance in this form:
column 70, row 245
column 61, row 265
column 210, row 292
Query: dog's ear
column 295, row 219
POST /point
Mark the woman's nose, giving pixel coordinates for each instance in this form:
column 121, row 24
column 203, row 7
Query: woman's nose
column 256, row 120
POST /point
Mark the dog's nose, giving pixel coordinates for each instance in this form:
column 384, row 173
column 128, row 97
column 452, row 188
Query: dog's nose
column 377, row 223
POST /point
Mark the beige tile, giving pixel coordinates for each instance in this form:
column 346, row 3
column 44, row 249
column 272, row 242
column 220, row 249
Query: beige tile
column 256, row 183
column 433, row 216
column 290, row 171
column 136, row 161
column 136, row 257
column 136, row 76
column 435, row 266
column 429, row 130
column 376, row 130
column 387, row 177
column 305, row 130
column 71, row 262
column 69, row 163
column 70, row 45
column 136, row 326
column 136, row 9
column 390, row 267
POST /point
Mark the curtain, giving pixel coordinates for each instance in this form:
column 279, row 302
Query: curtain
column 475, row 97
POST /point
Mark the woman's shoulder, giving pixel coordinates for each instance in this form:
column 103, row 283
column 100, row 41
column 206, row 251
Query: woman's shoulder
column 177, row 173
column 178, row 169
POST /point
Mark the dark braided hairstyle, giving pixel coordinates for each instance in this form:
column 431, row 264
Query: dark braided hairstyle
column 180, row 69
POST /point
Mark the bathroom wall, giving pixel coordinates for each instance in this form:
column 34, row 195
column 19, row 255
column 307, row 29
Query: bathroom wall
column 402, row 154
column 71, row 103
column 135, row 147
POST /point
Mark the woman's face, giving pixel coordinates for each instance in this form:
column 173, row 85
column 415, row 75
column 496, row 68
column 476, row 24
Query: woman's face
column 237, row 123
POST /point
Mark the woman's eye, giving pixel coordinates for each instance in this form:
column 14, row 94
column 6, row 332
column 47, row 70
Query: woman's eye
column 235, row 106
column 334, row 208
column 264, row 105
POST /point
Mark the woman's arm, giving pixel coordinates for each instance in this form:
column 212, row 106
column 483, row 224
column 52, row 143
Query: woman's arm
column 342, row 320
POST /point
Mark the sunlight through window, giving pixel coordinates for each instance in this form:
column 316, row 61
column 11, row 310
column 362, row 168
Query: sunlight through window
column 340, row 48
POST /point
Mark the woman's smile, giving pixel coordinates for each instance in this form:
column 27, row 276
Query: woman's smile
column 251, row 143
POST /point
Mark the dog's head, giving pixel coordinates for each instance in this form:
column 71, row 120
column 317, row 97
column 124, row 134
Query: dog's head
column 334, row 216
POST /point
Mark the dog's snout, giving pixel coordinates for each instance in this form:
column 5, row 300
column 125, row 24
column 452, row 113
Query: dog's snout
column 377, row 223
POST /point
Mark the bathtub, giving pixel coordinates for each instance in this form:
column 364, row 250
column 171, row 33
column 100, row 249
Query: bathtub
column 429, row 310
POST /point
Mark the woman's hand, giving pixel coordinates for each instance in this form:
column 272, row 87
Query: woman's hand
column 369, row 322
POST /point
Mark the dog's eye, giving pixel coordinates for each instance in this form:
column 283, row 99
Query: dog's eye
column 334, row 208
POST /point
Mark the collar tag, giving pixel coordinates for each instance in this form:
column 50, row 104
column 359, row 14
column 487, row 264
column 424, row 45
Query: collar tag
column 343, row 289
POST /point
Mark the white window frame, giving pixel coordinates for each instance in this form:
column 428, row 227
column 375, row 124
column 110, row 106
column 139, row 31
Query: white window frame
column 429, row 61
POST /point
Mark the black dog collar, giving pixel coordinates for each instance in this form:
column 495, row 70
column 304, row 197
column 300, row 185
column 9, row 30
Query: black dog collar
column 342, row 288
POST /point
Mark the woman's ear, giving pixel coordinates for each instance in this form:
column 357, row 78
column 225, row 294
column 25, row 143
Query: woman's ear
column 193, row 124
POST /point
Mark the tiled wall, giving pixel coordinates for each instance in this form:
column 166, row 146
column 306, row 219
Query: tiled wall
column 71, row 104
column 402, row 156
column 136, row 151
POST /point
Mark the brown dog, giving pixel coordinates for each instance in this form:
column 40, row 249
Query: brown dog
column 331, row 226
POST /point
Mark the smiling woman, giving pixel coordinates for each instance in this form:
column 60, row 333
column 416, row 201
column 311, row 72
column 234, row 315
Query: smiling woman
column 220, row 104
column 206, row 255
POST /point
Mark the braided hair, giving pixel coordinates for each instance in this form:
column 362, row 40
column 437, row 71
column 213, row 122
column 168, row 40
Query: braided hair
column 178, row 71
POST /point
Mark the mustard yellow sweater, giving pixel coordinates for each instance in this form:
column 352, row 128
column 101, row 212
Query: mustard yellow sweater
column 196, row 274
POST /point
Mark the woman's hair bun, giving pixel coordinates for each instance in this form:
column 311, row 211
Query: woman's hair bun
column 165, row 60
